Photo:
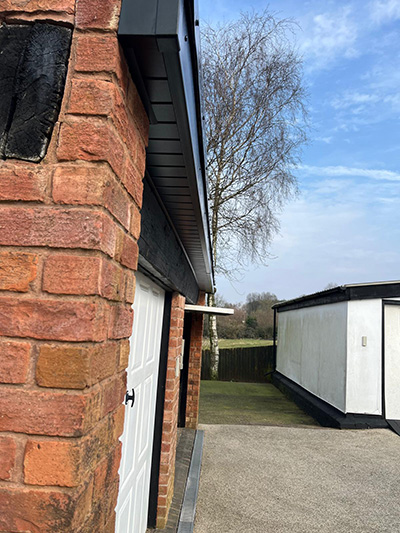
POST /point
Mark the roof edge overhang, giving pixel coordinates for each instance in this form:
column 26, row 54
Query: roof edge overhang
column 355, row 291
column 170, row 31
column 208, row 310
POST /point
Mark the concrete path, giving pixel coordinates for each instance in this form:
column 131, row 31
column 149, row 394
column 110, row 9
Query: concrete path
column 298, row 480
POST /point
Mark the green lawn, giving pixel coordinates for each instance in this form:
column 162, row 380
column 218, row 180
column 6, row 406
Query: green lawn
column 237, row 343
column 224, row 402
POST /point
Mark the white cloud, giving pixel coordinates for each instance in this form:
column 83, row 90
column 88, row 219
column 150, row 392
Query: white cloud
column 351, row 98
column 328, row 36
column 339, row 170
column 382, row 11
column 326, row 140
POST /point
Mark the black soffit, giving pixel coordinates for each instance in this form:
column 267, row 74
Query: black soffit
column 159, row 38
column 357, row 291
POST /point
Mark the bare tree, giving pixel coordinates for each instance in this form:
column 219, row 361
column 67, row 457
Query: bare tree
column 255, row 125
column 331, row 285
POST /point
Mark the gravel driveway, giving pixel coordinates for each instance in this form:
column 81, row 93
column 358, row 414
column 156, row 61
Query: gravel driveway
column 298, row 480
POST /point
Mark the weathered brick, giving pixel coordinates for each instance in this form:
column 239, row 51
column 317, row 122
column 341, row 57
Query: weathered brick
column 60, row 228
column 19, row 183
column 135, row 106
column 106, row 474
column 97, row 444
column 53, row 320
column 98, row 53
column 100, row 14
column 110, row 525
column 8, row 450
column 118, row 202
column 47, row 413
column 141, row 159
column 14, row 361
column 121, row 322
column 91, row 97
column 170, row 418
column 130, row 286
column 112, row 280
column 93, row 140
column 118, row 418
column 103, row 361
column 80, row 185
column 113, row 393
column 72, row 274
column 52, row 462
column 31, row 6
column 63, row 366
column 35, row 510
column 75, row 367
column 109, row 503
column 135, row 222
column 126, row 125
column 94, row 185
column 132, row 180
column 124, row 350
column 130, row 252
column 194, row 371
column 17, row 271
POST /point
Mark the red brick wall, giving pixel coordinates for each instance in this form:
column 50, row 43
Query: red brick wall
column 194, row 374
column 171, row 408
column 68, row 230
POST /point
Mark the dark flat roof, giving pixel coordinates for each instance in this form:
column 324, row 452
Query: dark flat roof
column 342, row 293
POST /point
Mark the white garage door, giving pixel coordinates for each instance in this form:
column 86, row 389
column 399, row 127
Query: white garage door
column 137, row 438
column 392, row 362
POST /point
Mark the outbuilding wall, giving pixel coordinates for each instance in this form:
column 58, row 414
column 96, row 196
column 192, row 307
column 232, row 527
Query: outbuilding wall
column 364, row 363
column 312, row 345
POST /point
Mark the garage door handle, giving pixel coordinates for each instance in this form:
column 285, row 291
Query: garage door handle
column 130, row 397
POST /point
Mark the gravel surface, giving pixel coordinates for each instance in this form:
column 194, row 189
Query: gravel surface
column 298, row 480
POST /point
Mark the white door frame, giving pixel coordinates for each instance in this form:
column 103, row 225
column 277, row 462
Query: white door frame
column 390, row 362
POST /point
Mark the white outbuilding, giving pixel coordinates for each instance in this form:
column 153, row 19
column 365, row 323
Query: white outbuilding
column 338, row 354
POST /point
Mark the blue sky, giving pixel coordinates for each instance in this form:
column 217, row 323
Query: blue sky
column 344, row 227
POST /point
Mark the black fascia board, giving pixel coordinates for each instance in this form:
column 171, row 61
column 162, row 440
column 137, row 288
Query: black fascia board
column 342, row 294
column 161, row 255
column 174, row 25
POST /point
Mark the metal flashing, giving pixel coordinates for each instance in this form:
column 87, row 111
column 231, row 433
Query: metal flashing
column 358, row 291
column 188, row 512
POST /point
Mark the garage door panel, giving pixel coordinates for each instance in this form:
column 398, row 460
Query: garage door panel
column 145, row 429
column 140, row 335
column 142, row 377
column 125, row 513
column 139, row 493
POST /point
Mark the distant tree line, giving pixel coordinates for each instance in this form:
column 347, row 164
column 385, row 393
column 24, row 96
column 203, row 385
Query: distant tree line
column 253, row 319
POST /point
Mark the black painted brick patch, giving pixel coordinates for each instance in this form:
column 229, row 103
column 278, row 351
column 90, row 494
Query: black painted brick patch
column 33, row 69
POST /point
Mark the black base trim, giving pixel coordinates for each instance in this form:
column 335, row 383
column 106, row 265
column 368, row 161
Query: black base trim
column 394, row 425
column 322, row 411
